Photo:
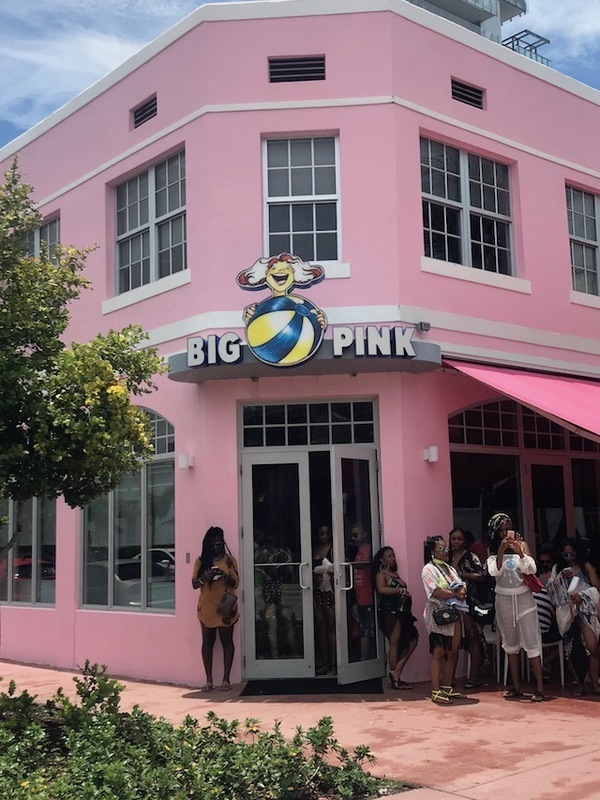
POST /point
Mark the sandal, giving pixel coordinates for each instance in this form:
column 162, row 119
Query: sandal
column 451, row 692
column 440, row 697
column 537, row 697
column 472, row 684
column 393, row 681
column 512, row 694
column 404, row 685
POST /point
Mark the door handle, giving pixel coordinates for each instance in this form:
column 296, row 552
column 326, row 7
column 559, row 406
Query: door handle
column 351, row 573
column 302, row 564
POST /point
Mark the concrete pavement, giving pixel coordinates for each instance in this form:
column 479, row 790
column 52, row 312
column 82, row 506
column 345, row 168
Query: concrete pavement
column 481, row 748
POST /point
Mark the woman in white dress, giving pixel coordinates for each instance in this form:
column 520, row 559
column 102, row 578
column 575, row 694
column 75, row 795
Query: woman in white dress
column 516, row 611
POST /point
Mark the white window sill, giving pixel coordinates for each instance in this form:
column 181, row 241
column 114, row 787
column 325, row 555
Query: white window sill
column 144, row 292
column 583, row 299
column 335, row 269
column 463, row 273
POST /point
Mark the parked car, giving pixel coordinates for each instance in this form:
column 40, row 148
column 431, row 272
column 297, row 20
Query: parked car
column 165, row 556
column 22, row 581
column 127, row 583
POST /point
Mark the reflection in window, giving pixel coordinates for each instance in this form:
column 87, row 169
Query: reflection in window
column 129, row 535
column 28, row 572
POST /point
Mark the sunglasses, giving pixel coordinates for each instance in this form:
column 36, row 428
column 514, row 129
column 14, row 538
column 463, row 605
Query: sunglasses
column 545, row 561
column 569, row 555
column 442, row 548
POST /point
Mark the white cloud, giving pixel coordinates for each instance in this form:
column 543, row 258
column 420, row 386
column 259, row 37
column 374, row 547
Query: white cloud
column 52, row 52
column 573, row 27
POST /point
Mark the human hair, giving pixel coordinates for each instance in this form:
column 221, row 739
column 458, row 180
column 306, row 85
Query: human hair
column 208, row 545
column 580, row 553
column 467, row 536
column 494, row 525
column 429, row 546
column 377, row 559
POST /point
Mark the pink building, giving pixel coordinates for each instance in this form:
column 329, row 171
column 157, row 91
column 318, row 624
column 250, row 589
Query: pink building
column 439, row 363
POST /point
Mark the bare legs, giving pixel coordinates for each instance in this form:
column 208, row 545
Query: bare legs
column 443, row 662
column 591, row 645
column 325, row 630
column 209, row 636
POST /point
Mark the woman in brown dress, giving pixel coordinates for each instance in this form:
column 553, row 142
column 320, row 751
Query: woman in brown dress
column 215, row 572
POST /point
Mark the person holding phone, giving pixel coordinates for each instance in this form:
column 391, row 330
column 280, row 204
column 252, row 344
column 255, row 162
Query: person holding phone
column 516, row 611
column 215, row 571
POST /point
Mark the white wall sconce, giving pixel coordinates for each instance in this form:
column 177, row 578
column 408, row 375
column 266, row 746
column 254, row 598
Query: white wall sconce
column 431, row 454
column 185, row 461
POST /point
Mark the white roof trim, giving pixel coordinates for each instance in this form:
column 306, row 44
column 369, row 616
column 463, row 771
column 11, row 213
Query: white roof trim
column 274, row 9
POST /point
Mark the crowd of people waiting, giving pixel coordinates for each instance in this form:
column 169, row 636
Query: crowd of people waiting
column 530, row 603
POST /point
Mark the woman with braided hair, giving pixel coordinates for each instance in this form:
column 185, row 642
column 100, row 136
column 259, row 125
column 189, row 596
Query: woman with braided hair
column 516, row 611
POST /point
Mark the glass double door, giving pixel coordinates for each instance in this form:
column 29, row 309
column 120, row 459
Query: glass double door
column 310, row 528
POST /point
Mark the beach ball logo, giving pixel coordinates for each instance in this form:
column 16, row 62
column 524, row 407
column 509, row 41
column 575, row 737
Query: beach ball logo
column 286, row 329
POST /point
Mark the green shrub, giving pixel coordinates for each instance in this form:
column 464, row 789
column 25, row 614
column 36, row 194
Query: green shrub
column 91, row 750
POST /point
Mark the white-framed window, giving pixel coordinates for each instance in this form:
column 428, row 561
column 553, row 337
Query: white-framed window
column 151, row 224
column 129, row 535
column 466, row 208
column 302, row 199
column 46, row 237
column 28, row 571
column 582, row 214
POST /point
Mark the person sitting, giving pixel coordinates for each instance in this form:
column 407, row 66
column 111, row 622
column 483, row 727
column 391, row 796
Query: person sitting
column 394, row 614
column 574, row 589
column 545, row 609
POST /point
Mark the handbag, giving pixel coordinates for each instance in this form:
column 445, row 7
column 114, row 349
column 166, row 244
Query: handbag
column 482, row 613
column 533, row 583
column 227, row 607
column 445, row 615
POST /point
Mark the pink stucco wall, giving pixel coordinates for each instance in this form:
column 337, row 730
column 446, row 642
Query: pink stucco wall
column 388, row 82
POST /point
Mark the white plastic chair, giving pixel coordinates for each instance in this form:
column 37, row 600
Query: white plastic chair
column 561, row 659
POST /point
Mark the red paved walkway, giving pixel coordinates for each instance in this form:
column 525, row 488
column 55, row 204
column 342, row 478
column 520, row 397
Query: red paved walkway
column 485, row 749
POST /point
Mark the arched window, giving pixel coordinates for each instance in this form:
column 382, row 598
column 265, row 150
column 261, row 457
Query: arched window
column 129, row 534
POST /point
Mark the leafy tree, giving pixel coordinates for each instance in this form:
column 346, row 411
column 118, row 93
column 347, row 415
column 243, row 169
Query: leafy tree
column 67, row 424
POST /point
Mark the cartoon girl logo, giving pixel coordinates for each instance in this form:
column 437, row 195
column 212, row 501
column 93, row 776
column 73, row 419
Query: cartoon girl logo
column 285, row 329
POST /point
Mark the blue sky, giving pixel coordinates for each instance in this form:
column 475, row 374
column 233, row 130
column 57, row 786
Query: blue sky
column 54, row 49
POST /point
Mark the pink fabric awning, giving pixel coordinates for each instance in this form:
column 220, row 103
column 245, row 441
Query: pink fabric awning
column 571, row 402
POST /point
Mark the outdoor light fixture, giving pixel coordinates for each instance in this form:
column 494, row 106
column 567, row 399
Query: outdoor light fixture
column 185, row 461
column 431, row 453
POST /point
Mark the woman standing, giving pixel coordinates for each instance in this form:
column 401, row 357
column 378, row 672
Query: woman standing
column 574, row 589
column 324, row 601
column 516, row 611
column 442, row 584
column 394, row 614
column 470, row 570
column 215, row 573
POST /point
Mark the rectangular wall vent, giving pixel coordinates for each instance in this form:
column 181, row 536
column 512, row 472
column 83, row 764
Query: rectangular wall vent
column 300, row 68
column 146, row 111
column 464, row 93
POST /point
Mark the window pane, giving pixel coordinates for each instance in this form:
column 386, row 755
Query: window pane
column 302, row 182
column 160, row 555
column 325, row 180
column 300, row 152
column 324, row 150
column 278, row 183
column 302, row 217
column 279, row 218
column 327, row 247
column 277, row 153
column 95, row 552
column 326, row 218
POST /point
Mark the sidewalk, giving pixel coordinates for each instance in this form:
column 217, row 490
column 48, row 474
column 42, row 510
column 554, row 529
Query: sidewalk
column 482, row 748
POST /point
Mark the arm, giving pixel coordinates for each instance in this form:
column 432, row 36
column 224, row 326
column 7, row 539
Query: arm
column 592, row 575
